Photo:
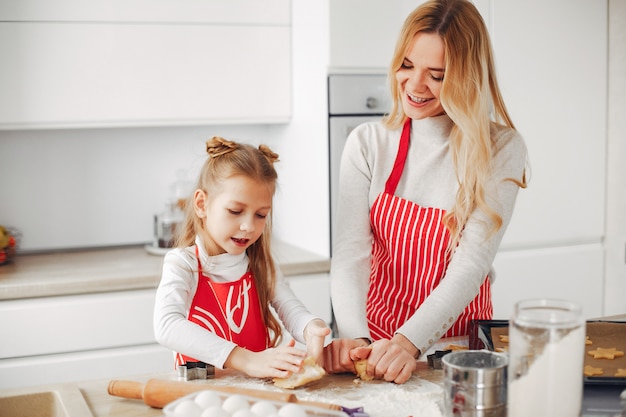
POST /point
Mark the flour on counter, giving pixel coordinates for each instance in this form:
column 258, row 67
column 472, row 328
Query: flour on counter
column 416, row 398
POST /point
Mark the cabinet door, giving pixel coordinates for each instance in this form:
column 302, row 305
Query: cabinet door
column 363, row 33
column 50, row 325
column 552, row 66
column 85, row 366
column 570, row 273
column 267, row 12
column 88, row 74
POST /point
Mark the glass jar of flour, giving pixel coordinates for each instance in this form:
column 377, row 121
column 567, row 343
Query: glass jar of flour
column 546, row 355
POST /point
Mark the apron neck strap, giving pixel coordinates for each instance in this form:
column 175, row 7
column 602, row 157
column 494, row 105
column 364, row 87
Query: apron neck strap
column 398, row 166
column 199, row 263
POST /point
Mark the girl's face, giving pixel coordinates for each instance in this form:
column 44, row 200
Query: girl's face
column 234, row 218
column 421, row 75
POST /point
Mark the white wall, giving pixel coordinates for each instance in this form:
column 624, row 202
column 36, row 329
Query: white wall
column 97, row 187
column 302, row 214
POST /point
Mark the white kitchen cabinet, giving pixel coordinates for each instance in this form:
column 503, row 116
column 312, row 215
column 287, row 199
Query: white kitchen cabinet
column 273, row 12
column 314, row 292
column 363, row 33
column 547, row 68
column 570, row 273
column 111, row 363
column 115, row 65
column 105, row 335
column 554, row 81
column 81, row 337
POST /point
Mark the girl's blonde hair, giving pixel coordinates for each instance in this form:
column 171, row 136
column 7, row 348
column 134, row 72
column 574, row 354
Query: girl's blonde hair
column 469, row 95
column 227, row 159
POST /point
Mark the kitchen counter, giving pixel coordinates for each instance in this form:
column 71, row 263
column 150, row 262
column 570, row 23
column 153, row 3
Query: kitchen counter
column 115, row 269
column 423, row 394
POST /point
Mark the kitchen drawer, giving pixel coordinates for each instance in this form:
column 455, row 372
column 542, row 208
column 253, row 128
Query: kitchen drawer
column 84, row 366
column 156, row 11
column 43, row 326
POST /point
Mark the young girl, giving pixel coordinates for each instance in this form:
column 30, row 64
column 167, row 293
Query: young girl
column 213, row 302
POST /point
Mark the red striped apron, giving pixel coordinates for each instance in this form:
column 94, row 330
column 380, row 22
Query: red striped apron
column 231, row 310
column 409, row 259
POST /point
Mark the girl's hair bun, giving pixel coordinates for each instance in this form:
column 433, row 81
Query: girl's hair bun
column 268, row 153
column 217, row 146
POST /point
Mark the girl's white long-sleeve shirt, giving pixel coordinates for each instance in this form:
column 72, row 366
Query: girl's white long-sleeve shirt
column 428, row 179
column 178, row 287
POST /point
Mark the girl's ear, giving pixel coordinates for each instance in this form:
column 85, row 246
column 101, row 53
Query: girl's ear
column 199, row 203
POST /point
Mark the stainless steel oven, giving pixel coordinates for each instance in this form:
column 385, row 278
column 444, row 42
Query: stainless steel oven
column 352, row 99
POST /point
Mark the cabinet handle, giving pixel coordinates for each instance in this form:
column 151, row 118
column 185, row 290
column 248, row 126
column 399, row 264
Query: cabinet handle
column 371, row 103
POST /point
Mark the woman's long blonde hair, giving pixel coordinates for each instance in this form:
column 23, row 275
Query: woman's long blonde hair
column 469, row 95
column 227, row 159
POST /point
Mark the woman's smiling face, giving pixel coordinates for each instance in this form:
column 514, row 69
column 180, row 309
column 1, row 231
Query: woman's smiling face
column 421, row 75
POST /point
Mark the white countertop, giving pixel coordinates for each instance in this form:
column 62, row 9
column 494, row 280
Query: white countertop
column 115, row 269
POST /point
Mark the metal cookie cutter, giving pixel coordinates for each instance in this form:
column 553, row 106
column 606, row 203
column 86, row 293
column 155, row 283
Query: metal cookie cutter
column 434, row 359
column 195, row 370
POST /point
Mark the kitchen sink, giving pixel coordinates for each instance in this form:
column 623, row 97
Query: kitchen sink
column 64, row 400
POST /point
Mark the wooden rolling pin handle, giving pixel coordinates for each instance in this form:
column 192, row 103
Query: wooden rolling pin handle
column 326, row 406
column 158, row 393
column 126, row 389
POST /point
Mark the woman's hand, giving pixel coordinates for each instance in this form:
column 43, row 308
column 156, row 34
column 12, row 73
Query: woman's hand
column 278, row 362
column 391, row 360
column 337, row 355
column 314, row 335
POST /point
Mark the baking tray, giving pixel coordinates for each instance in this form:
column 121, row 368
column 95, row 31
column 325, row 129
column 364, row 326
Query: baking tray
column 484, row 334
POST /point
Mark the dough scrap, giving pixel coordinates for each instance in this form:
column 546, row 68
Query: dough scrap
column 361, row 370
column 309, row 372
column 454, row 347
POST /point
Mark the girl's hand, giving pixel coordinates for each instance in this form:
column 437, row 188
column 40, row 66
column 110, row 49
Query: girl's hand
column 389, row 359
column 314, row 335
column 337, row 355
column 278, row 362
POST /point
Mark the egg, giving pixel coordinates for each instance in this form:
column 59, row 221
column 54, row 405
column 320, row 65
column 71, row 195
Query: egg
column 243, row 413
column 291, row 410
column 187, row 408
column 205, row 399
column 263, row 409
column 215, row 411
column 234, row 403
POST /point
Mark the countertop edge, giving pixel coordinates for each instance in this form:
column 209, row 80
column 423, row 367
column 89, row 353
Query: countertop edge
column 116, row 269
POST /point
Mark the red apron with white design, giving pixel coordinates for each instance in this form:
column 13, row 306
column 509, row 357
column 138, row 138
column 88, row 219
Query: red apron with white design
column 231, row 310
column 409, row 259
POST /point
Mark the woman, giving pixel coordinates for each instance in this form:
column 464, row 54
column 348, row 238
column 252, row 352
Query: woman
column 424, row 198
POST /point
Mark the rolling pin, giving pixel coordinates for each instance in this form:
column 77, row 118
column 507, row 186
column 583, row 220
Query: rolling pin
column 158, row 393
